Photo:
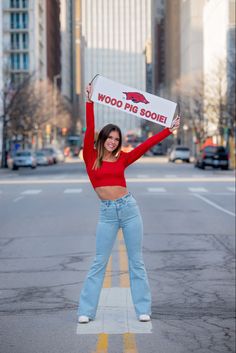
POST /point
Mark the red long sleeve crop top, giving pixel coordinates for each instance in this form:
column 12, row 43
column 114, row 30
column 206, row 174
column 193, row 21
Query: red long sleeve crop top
column 112, row 173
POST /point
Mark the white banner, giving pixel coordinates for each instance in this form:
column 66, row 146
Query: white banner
column 129, row 100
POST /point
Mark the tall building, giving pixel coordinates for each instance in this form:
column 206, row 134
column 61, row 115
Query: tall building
column 53, row 41
column 66, row 21
column 191, row 39
column 172, row 42
column 23, row 32
column 158, row 45
column 116, row 36
column 219, row 55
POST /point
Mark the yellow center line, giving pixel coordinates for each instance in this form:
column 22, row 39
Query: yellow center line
column 102, row 343
column 128, row 338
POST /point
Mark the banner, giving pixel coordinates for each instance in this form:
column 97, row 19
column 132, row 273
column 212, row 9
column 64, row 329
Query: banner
column 130, row 100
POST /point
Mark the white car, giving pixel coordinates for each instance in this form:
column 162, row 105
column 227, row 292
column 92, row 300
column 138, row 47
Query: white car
column 25, row 158
column 181, row 153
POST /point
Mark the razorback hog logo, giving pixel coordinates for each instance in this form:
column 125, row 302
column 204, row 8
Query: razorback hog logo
column 136, row 97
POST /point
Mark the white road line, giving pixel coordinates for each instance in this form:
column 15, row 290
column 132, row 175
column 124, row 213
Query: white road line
column 197, row 189
column 72, row 191
column 156, row 189
column 129, row 179
column 18, row 199
column 214, row 205
column 231, row 188
column 31, row 192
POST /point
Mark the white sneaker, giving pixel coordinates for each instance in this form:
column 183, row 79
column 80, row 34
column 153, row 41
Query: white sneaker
column 144, row 318
column 83, row 319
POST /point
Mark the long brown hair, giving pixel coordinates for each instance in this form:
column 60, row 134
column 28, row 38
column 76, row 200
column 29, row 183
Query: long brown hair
column 102, row 136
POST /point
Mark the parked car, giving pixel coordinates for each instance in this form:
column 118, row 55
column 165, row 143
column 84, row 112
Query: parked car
column 213, row 156
column 179, row 153
column 25, row 158
column 55, row 154
column 43, row 158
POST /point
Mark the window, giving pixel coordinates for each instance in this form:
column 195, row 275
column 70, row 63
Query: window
column 26, row 61
column 25, row 41
column 15, row 20
column 25, row 3
column 15, row 61
column 15, row 4
column 15, row 41
column 25, row 20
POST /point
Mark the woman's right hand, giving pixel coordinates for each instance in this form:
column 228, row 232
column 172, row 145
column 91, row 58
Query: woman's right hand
column 89, row 92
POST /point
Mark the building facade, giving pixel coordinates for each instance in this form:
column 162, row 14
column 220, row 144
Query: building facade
column 53, row 41
column 66, row 21
column 115, row 36
column 23, row 39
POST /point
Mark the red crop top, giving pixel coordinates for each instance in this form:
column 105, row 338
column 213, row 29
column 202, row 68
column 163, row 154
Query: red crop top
column 112, row 173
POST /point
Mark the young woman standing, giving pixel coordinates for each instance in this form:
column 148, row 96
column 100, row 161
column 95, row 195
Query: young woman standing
column 105, row 166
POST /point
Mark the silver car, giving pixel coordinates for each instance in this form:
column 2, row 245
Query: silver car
column 181, row 153
column 25, row 158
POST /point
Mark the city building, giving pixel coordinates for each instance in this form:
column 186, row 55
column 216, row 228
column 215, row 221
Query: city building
column 66, row 21
column 219, row 53
column 158, row 45
column 53, row 41
column 115, row 36
column 23, row 34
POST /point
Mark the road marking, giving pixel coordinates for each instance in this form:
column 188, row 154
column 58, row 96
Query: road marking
column 72, row 191
column 214, row 205
column 31, row 192
column 130, row 180
column 156, row 189
column 197, row 189
column 129, row 343
column 18, row 199
column 231, row 188
column 102, row 344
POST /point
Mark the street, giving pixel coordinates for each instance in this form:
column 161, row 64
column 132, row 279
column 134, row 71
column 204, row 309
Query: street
column 48, row 218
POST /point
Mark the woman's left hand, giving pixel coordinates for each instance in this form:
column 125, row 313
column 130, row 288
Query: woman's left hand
column 175, row 124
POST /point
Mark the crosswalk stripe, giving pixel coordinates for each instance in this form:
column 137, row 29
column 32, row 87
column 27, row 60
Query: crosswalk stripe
column 72, row 191
column 156, row 189
column 197, row 189
column 31, row 192
column 231, row 188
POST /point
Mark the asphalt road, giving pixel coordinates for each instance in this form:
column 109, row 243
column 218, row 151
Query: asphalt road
column 47, row 224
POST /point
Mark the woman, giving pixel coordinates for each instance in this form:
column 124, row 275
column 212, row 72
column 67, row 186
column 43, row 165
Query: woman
column 105, row 166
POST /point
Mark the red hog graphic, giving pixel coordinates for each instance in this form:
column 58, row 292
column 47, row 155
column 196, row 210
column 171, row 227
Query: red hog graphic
column 136, row 97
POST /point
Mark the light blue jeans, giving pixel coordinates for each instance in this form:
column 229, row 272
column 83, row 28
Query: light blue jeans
column 121, row 213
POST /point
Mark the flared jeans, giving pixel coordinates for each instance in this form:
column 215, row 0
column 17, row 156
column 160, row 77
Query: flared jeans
column 121, row 213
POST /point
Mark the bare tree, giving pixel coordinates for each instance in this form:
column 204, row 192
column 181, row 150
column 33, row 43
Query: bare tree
column 33, row 105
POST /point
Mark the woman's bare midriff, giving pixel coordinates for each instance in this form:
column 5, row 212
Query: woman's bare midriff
column 111, row 192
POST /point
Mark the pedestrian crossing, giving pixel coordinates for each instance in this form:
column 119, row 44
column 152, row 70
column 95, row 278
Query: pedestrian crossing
column 224, row 190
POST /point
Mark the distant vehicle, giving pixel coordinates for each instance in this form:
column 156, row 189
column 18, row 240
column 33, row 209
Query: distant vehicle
column 73, row 145
column 213, row 156
column 25, row 158
column 43, row 158
column 179, row 153
column 55, row 154
column 157, row 150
